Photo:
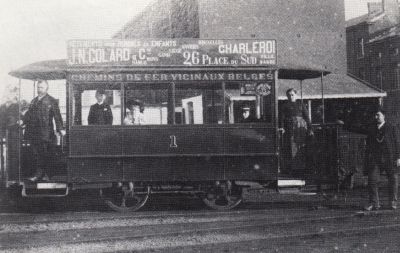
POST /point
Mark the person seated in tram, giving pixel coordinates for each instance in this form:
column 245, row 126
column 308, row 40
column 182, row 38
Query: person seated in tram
column 246, row 116
column 295, row 126
column 135, row 114
column 100, row 113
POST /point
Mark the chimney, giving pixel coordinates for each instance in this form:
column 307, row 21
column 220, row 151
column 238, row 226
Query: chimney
column 391, row 9
column 374, row 8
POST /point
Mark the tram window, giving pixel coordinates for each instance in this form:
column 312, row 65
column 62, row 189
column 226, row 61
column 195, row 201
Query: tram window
column 147, row 104
column 237, row 101
column 107, row 112
column 199, row 103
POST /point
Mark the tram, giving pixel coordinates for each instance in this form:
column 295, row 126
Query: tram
column 191, row 139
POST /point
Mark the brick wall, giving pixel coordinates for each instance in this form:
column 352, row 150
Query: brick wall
column 310, row 32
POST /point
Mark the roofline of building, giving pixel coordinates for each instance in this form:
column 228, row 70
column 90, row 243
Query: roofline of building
column 366, row 83
column 352, row 22
column 137, row 15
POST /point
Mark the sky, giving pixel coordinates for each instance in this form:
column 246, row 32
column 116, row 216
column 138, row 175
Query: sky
column 35, row 30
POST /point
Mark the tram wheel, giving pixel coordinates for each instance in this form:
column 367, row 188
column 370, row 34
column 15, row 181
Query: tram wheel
column 125, row 198
column 223, row 196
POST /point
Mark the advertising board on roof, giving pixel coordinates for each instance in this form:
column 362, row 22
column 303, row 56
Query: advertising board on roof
column 172, row 52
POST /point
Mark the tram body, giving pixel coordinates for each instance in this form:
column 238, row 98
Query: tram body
column 192, row 141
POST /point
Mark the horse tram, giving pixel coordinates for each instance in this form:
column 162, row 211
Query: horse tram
column 191, row 139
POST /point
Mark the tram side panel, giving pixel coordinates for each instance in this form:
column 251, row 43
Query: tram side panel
column 178, row 153
column 95, row 154
column 13, row 154
column 251, row 153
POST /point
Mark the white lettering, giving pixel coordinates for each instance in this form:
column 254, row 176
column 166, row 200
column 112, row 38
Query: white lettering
column 142, row 55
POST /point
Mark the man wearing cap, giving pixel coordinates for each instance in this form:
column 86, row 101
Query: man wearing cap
column 100, row 113
column 382, row 153
column 246, row 115
column 39, row 130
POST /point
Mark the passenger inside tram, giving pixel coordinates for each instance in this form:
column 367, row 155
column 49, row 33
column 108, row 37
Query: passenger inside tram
column 135, row 115
column 100, row 113
column 247, row 115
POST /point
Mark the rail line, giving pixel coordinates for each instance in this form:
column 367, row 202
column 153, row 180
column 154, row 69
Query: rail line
column 27, row 218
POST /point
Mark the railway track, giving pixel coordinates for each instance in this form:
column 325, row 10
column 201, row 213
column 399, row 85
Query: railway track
column 168, row 231
column 27, row 218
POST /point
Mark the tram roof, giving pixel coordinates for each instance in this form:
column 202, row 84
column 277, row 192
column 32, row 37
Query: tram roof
column 335, row 86
column 57, row 70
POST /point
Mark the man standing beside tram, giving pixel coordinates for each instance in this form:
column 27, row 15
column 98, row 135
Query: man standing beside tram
column 382, row 154
column 39, row 130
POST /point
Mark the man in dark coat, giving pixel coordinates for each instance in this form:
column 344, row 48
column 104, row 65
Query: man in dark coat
column 247, row 117
column 382, row 153
column 100, row 113
column 39, row 130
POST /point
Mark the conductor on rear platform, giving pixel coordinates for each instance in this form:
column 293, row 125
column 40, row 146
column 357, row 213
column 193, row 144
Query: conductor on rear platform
column 39, row 130
column 295, row 125
column 382, row 153
column 100, row 113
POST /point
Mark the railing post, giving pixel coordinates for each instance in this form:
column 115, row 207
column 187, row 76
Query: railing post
column 2, row 165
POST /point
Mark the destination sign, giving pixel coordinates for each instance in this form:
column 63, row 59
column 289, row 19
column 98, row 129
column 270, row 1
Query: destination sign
column 171, row 52
column 173, row 77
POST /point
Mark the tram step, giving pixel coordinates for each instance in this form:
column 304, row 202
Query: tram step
column 291, row 183
column 40, row 190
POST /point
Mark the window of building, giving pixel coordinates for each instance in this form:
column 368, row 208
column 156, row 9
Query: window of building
column 394, row 51
column 379, row 77
column 360, row 48
column 361, row 73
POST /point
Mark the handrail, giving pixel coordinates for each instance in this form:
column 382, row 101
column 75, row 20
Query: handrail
column 2, row 160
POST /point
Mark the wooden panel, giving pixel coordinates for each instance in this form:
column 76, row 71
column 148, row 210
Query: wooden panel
column 257, row 168
column 241, row 140
column 174, row 168
column 95, row 170
column 97, row 141
column 159, row 141
column 13, row 146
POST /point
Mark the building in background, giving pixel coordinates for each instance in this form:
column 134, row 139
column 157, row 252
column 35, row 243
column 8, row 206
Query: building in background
column 309, row 34
column 373, row 42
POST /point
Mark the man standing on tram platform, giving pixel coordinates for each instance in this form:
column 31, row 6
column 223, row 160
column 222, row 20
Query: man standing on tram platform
column 39, row 130
column 100, row 113
column 382, row 153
